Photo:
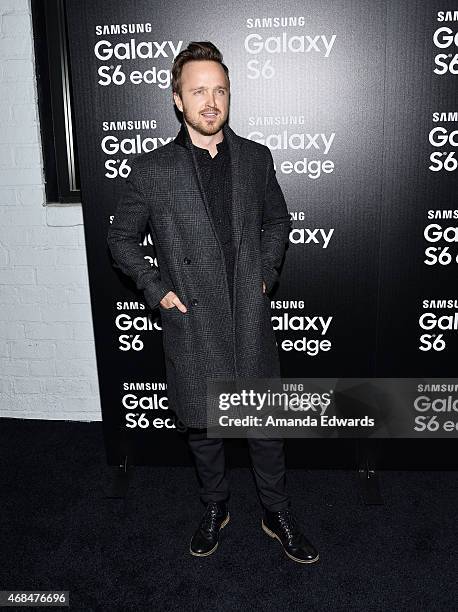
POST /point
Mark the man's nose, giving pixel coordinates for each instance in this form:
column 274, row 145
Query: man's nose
column 211, row 100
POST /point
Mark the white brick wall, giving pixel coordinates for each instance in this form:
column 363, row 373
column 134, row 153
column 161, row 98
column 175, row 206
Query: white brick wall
column 47, row 356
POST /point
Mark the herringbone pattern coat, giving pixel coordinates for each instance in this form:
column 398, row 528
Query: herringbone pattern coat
column 164, row 189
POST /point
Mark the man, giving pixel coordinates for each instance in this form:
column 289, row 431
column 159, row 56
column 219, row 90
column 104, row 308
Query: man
column 220, row 227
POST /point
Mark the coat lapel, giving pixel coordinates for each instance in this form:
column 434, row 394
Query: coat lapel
column 236, row 151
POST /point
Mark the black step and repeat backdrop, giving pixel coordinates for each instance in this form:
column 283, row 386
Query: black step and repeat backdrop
column 357, row 101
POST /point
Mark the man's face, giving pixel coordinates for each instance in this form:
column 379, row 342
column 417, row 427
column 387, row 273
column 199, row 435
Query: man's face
column 204, row 99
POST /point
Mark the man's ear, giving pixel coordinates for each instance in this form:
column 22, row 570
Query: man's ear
column 177, row 101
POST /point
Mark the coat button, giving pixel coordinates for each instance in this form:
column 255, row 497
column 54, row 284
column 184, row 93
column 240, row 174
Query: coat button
column 187, row 260
column 194, row 302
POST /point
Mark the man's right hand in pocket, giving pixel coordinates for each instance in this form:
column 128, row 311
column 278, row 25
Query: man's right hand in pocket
column 171, row 300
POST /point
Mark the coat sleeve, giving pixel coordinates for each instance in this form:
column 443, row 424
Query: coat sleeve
column 276, row 225
column 124, row 236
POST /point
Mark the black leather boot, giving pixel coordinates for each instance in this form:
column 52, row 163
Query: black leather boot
column 283, row 526
column 205, row 539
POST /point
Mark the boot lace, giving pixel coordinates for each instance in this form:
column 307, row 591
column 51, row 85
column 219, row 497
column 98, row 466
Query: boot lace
column 209, row 518
column 288, row 523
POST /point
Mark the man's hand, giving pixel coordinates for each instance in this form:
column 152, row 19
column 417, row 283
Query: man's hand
column 171, row 300
column 263, row 287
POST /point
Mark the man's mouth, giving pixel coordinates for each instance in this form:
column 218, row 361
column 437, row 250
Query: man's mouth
column 210, row 115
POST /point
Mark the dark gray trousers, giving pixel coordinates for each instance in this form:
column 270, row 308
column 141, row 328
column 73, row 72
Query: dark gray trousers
column 268, row 464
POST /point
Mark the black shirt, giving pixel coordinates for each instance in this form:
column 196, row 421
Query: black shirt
column 217, row 181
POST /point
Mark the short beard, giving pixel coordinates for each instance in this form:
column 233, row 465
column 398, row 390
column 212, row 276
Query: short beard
column 205, row 131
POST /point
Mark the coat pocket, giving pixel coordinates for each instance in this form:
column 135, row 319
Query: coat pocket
column 176, row 335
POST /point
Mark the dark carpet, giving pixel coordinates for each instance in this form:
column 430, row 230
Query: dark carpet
column 60, row 532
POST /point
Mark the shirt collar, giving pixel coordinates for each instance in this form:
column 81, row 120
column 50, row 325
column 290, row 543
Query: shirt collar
column 220, row 146
column 183, row 138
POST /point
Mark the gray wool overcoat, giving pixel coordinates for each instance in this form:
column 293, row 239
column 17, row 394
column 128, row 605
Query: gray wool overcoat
column 209, row 342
